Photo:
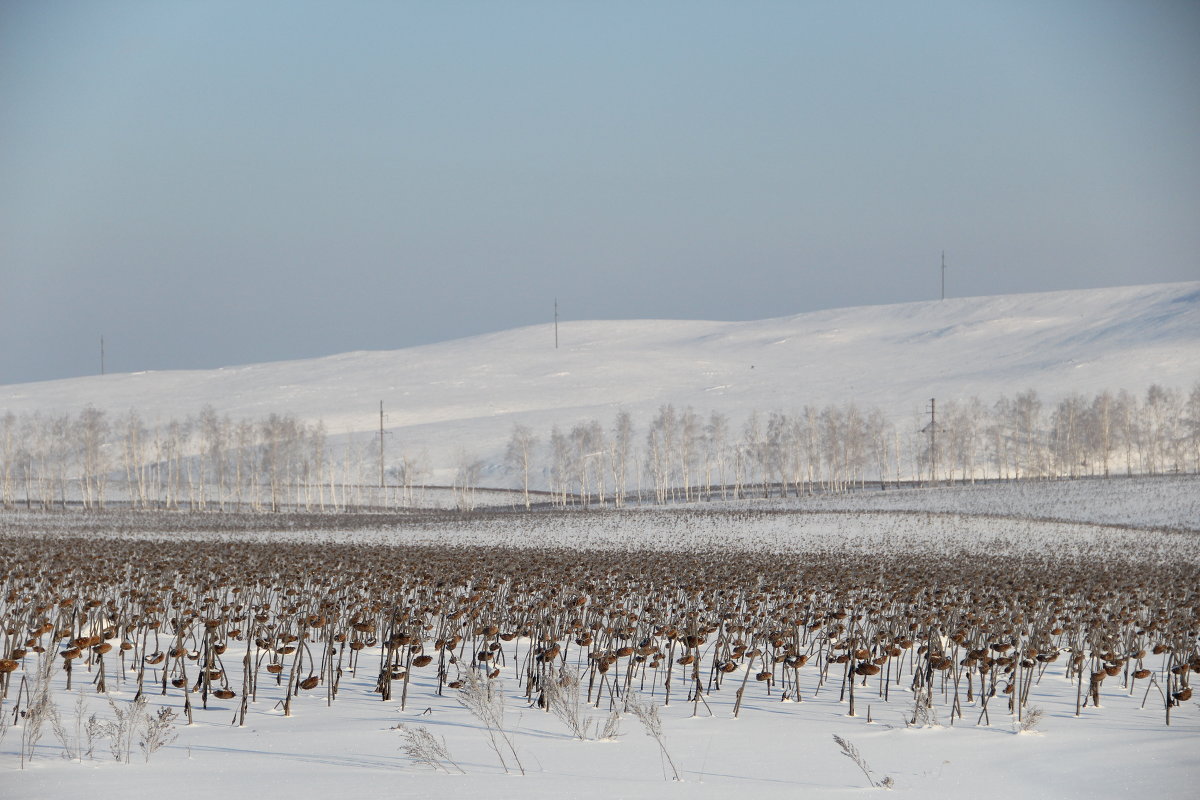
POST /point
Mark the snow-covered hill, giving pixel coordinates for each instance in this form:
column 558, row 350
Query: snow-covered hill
column 465, row 395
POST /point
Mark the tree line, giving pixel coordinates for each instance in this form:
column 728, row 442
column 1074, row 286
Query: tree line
column 683, row 455
column 277, row 462
column 203, row 461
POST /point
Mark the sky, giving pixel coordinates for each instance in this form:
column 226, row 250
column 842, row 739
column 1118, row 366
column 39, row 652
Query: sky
column 206, row 184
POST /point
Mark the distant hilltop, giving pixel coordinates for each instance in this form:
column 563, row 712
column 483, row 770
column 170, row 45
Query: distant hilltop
column 467, row 395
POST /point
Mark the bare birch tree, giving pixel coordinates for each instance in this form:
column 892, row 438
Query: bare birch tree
column 519, row 455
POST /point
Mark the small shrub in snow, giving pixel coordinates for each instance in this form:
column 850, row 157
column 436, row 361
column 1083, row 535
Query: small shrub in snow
column 851, row 752
column 424, row 748
column 647, row 714
column 1029, row 720
column 484, row 698
column 923, row 714
column 39, row 710
column 562, row 694
column 122, row 729
column 158, row 731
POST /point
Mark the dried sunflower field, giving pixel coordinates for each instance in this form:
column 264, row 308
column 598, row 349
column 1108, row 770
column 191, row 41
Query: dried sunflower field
column 590, row 654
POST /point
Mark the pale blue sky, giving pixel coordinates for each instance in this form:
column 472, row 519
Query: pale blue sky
column 216, row 183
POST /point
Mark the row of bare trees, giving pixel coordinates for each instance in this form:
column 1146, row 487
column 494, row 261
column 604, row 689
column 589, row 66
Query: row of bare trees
column 1106, row 434
column 212, row 461
column 685, row 456
column 200, row 462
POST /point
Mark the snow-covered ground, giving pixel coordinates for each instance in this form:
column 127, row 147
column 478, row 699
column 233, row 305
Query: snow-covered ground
column 888, row 534
column 772, row 749
column 464, row 396
column 1148, row 502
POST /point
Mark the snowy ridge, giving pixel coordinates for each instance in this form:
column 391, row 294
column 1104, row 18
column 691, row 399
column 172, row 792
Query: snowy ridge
column 466, row 394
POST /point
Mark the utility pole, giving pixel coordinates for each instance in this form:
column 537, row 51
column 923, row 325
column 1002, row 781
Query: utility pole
column 943, row 274
column 556, row 323
column 932, row 429
column 382, row 433
column 101, row 355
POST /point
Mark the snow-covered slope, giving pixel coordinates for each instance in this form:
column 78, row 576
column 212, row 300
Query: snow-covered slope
column 465, row 395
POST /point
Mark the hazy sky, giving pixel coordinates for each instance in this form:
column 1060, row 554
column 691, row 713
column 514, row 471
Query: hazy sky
column 212, row 183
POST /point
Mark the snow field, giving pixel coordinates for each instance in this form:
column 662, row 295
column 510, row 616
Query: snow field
column 772, row 749
column 463, row 397
column 1145, row 502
